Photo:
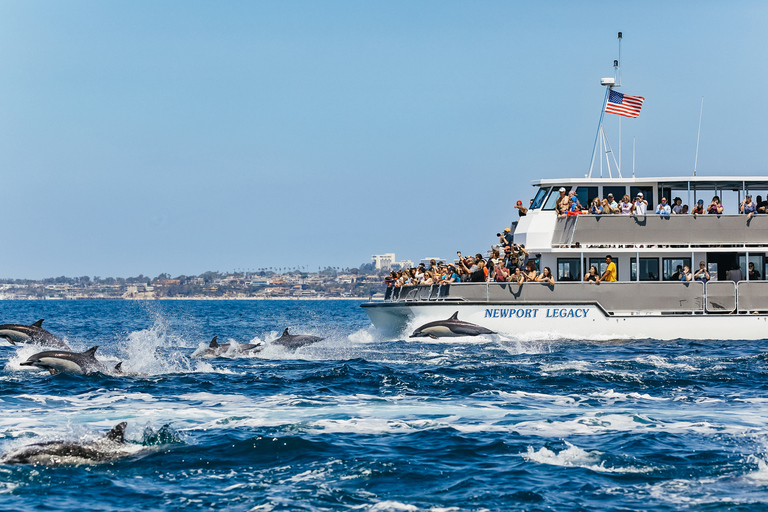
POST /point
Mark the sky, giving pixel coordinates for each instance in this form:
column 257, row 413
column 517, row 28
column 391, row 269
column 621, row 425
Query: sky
column 145, row 137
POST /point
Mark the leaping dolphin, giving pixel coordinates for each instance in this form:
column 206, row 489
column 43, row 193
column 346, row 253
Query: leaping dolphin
column 59, row 453
column 295, row 340
column 33, row 334
column 216, row 349
column 452, row 327
column 58, row 361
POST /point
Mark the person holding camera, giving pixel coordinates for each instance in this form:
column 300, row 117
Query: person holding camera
column 640, row 206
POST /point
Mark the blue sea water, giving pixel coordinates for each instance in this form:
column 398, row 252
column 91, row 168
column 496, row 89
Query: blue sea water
column 360, row 422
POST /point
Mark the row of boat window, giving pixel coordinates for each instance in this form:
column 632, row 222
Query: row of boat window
column 585, row 194
column 666, row 269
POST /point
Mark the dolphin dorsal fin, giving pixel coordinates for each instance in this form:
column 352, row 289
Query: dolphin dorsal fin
column 39, row 323
column 285, row 332
column 455, row 316
column 91, row 351
column 117, row 433
column 119, row 367
column 214, row 343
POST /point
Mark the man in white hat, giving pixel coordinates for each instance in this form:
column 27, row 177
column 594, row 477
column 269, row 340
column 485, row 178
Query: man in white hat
column 562, row 203
column 640, row 205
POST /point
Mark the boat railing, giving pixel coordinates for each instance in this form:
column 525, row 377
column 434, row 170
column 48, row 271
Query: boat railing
column 651, row 229
column 619, row 298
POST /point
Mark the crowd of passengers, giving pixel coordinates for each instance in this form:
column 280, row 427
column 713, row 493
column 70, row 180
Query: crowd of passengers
column 507, row 262
column 568, row 204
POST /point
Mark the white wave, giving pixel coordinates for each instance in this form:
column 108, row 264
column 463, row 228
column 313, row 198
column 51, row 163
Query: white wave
column 663, row 363
column 573, row 456
column 760, row 475
column 389, row 505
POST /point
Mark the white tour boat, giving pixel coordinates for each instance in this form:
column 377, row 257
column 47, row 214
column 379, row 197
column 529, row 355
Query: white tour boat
column 644, row 302
column 647, row 300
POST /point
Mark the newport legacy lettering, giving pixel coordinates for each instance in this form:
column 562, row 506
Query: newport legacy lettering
column 531, row 312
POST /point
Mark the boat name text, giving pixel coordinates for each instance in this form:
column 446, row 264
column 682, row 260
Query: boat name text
column 532, row 312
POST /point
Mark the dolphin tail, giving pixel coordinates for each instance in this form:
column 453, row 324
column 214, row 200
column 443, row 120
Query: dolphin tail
column 39, row 323
column 455, row 316
column 214, row 343
column 117, row 434
column 91, row 351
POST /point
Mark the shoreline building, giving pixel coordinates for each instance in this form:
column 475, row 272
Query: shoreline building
column 383, row 261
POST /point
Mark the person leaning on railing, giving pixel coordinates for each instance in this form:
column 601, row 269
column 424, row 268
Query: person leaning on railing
column 663, row 208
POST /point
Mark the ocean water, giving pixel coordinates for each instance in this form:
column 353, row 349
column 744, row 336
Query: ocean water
column 358, row 422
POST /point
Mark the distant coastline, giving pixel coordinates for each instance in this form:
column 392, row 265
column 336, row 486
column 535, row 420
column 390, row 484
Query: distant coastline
column 330, row 284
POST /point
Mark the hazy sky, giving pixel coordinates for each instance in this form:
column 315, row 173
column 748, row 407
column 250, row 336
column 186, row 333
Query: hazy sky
column 182, row 136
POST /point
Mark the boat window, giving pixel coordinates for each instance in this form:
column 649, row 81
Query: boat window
column 539, row 199
column 647, row 195
column 568, row 269
column 758, row 260
column 553, row 197
column 586, row 195
column 649, row 269
column 618, row 192
column 601, row 265
column 673, row 267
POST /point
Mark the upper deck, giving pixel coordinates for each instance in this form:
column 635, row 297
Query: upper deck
column 542, row 230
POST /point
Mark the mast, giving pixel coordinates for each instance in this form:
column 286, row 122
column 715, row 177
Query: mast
column 609, row 84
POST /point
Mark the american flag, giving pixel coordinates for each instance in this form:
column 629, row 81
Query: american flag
column 624, row 104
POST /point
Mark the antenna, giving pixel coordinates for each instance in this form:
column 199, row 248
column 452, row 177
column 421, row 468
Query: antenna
column 617, row 73
column 696, row 160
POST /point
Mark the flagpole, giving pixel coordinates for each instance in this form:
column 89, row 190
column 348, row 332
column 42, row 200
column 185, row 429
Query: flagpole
column 597, row 135
column 617, row 64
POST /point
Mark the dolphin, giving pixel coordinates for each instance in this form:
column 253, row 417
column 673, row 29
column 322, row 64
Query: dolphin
column 295, row 340
column 59, row 361
column 447, row 328
column 33, row 334
column 60, row 453
column 216, row 349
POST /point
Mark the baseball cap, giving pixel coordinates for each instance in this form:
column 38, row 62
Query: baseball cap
column 507, row 229
column 610, row 195
column 520, row 202
column 639, row 194
column 562, row 189
column 700, row 201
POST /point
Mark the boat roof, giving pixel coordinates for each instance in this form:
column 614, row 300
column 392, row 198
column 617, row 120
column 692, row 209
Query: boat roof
column 734, row 182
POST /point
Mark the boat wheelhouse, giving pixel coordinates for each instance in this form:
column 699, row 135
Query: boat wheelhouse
column 647, row 300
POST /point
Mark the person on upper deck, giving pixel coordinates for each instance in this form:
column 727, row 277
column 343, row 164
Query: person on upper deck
column 715, row 206
column 596, row 208
column 610, row 270
column 607, row 208
column 702, row 274
column 748, row 207
column 592, row 276
column 663, row 208
column 614, row 205
column 517, row 276
column 685, row 210
column 640, row 206
column 686, row 275
column 699, row 208
column 521, row 210
column 754, row 275
column 562, row 203
column 762, row 206
column 677, row 208
column 625, row 207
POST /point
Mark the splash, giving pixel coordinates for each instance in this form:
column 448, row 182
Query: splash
column 156, row 351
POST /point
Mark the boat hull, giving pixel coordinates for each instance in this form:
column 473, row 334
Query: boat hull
column 567, row 321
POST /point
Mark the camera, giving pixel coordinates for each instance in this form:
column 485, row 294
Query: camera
column 498, row 234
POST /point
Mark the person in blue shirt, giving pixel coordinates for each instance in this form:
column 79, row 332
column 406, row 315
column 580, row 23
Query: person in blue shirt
column 663, row 208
